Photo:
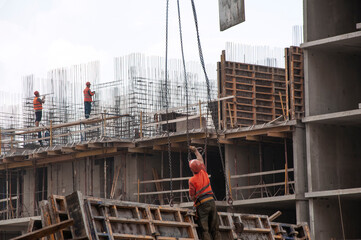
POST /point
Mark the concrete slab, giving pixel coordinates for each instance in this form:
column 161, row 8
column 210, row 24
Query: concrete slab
column 16, row 223
column 351, row 117
column 351, row 193
column 347, row 43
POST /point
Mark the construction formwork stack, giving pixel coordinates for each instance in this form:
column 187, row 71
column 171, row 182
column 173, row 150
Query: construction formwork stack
column 105, row 219
column 262, row 94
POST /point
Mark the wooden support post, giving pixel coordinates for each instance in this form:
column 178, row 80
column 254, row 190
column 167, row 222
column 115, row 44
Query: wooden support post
column 283, row 110
column 0, row 141
column 200, row 114
column 105, row 123
column 138, row 188
column 219, row 114
column 287, row 58
column 51, row 133
column 141, row 124
column 11, row 145
column 18, row 194
column 230, row 113
column 286, row 169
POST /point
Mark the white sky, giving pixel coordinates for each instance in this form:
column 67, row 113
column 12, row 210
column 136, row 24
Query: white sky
column 38, row 35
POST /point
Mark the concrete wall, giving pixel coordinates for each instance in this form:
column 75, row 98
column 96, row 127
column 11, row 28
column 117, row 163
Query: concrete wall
column 139, row 166
column 327, row 18
column 332, row 82
column 334, row 154
column 242, row 159
column 326, row 218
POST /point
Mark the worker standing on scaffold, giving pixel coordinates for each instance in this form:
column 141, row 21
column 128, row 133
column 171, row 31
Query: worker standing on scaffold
column 38, row 108
column 201, row 193
column 88, row 99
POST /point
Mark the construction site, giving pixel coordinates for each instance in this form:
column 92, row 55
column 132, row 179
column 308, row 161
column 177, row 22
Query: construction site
column 280, row 137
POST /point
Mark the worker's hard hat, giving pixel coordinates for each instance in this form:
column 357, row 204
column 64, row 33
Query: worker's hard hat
column 195, row 165
column 87, row 83
column 36, row 93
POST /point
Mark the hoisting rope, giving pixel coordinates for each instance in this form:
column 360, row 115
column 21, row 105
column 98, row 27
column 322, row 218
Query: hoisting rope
column 214, row 113
column 171, row 196
column 185, row 81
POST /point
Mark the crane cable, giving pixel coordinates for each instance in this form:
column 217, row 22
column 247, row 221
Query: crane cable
column 214, row 117
column 171, row 196
column 185, row 81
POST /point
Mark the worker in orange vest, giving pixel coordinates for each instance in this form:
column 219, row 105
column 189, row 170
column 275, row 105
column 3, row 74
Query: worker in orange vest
column 38, row 108
column 201, row 193
column 88, row 99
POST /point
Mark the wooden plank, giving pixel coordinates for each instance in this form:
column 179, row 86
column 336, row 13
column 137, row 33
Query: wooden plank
column 95, row 145
column 54, row 152
column 82, row 147
column 257, row 132
column 262, row 185
column 46, row 231
column 262, row 173
column 277, row 134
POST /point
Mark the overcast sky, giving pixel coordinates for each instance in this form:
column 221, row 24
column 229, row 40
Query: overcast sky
column 38, row 35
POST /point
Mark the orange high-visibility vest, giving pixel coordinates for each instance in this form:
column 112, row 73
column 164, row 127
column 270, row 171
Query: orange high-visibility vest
column 37, row 105
column 202, row 186
column 88, row 95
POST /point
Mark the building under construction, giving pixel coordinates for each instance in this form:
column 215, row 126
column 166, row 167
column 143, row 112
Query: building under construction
column 288, row 138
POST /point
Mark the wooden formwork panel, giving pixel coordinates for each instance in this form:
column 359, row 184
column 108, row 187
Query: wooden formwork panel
column 261, row 93
column 139, row 221
column 257, row 92
column 295, row 67
column 255, row 226
column 291, row 231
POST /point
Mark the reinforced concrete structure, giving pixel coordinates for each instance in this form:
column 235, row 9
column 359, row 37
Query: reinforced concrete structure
column 332, row 50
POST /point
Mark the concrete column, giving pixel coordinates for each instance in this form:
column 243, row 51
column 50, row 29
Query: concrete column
column 29, row 188
column 132, row 176
column 300, row 173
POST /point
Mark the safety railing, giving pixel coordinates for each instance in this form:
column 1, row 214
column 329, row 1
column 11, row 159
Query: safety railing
column 266, row 187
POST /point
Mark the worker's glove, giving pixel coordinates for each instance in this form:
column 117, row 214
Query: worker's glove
column 94, row 92
column 192, row 148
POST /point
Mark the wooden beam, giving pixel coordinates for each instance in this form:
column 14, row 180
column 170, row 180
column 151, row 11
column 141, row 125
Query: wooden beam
column 54, row 152
column 226, row 141
column 68, row 149
column 46, row 231
column 82, row 147
column 124, row 144
column 40, row 155
column 252, row 138
column 95, row 145
column 62, row 158
column 256, row 132
column 140, row 150
column 163, row 141
column 277, row 134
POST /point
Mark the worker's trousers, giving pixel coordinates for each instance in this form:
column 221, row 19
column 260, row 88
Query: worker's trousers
column 208, row 220
column 87, row 108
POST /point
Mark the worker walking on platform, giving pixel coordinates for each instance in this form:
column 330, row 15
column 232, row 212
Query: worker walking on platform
column 201, row 193
column 38, row 108
column 88, row 99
